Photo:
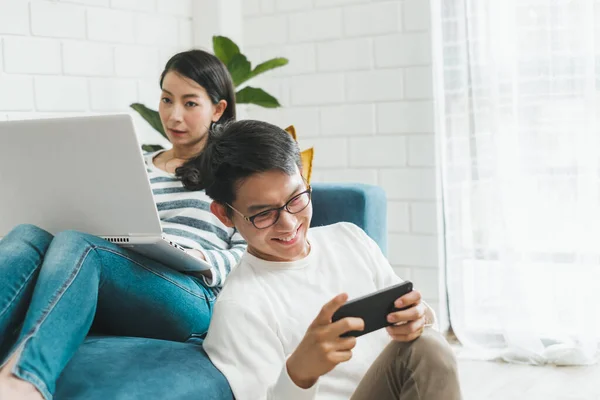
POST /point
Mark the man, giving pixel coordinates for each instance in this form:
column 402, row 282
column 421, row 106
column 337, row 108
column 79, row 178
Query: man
column 271, row 333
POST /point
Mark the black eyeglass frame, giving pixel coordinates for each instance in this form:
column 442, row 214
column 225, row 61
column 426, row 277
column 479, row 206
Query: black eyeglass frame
column 278, row 209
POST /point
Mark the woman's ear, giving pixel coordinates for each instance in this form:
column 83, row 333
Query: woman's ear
column 220, row 211
column 220, row 108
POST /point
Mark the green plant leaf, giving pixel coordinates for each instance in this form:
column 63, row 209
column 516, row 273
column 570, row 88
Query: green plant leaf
column 239, row 68
column 149, row 115
column 251, row 95
column 151, row 148
column 225, row 48
column 269, row 65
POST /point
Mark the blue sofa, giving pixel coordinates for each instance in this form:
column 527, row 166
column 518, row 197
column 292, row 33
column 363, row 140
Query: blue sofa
column 125, row 368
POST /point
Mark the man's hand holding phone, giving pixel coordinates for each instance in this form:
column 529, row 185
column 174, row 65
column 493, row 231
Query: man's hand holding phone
column 331, row 337
column 409, row 323
column 322, row 348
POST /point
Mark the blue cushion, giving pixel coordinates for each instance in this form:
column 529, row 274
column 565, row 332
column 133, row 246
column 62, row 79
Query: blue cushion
column 125, row 368
column 363, row 205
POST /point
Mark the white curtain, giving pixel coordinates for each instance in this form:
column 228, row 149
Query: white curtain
column 517, row 98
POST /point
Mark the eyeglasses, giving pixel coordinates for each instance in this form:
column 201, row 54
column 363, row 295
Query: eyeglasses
column 268, row 218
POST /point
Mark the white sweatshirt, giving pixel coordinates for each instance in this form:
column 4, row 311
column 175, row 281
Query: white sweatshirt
column 265, row 308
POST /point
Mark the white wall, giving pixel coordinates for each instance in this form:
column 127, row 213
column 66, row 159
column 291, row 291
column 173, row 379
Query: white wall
column 359, row 89
column 74, row 57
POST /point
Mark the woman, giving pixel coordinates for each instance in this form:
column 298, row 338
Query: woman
column 52, row 289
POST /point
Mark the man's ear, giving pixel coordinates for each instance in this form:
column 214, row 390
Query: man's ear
column 220, row 212
column 220, row 108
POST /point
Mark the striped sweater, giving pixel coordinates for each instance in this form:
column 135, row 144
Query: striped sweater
column 186, row 220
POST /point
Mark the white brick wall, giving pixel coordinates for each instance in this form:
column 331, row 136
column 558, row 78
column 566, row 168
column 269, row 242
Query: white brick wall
column 286, row 5
column 374, row 85
column 136, row 5
column 14, row 17
column 359, row 89
column 52, row 19
column 179, row 8
column 31, row 55
column 108, row 25
column 372, row 19
column 335, row 154
column 265, row 30
column 61, row 93
column 414, row 250
column 403, row 49
column 16, row 93
column 152, row 29
column 76, row 57
column 344, row 54
column 405, row 117
column 137, row 61
column 317, row 89
column 346, row 120
column 305, row 53
column 111, row 94
column 88, row 59
column 416, row 15
column 380, row 151
column 408, row 183
column 315, row 25
column 398, row 216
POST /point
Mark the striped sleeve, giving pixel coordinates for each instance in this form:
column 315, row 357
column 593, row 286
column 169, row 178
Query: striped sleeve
column 223, row 261
column 186, row 219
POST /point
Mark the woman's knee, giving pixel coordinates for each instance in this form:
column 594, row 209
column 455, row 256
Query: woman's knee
column 74, row 237
column 70, row 245
column 29, row 231
column 32, row 234
column 71, row 253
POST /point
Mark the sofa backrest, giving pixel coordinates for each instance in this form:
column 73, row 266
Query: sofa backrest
column 361, row 204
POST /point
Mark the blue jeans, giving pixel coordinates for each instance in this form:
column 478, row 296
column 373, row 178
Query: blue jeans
column 52, row 289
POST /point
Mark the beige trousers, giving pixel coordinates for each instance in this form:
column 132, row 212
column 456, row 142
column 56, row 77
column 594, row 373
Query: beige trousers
column 424, row 369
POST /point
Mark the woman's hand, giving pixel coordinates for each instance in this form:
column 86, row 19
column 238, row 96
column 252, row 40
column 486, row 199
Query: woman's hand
column 198, row 254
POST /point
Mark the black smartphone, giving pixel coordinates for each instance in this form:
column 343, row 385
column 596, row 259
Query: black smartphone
column 373, row 308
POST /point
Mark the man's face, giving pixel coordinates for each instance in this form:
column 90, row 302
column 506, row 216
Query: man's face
column 286, row 239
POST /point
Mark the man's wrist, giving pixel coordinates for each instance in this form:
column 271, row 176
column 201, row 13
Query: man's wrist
column 429, row 318
column 301, row 382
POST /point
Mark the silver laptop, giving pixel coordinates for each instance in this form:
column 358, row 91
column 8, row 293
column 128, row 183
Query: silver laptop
column 86, row 174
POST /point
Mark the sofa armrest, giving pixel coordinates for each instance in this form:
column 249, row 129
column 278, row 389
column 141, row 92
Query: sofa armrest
column 361, row 204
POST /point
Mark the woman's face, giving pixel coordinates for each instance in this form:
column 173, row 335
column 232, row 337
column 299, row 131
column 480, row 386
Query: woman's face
column 186, row 111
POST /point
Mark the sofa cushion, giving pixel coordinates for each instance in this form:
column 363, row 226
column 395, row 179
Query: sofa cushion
column 126, row 368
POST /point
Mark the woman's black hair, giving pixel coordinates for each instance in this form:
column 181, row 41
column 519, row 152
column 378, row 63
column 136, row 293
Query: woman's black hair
column 235, row 151
column 207, row 71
